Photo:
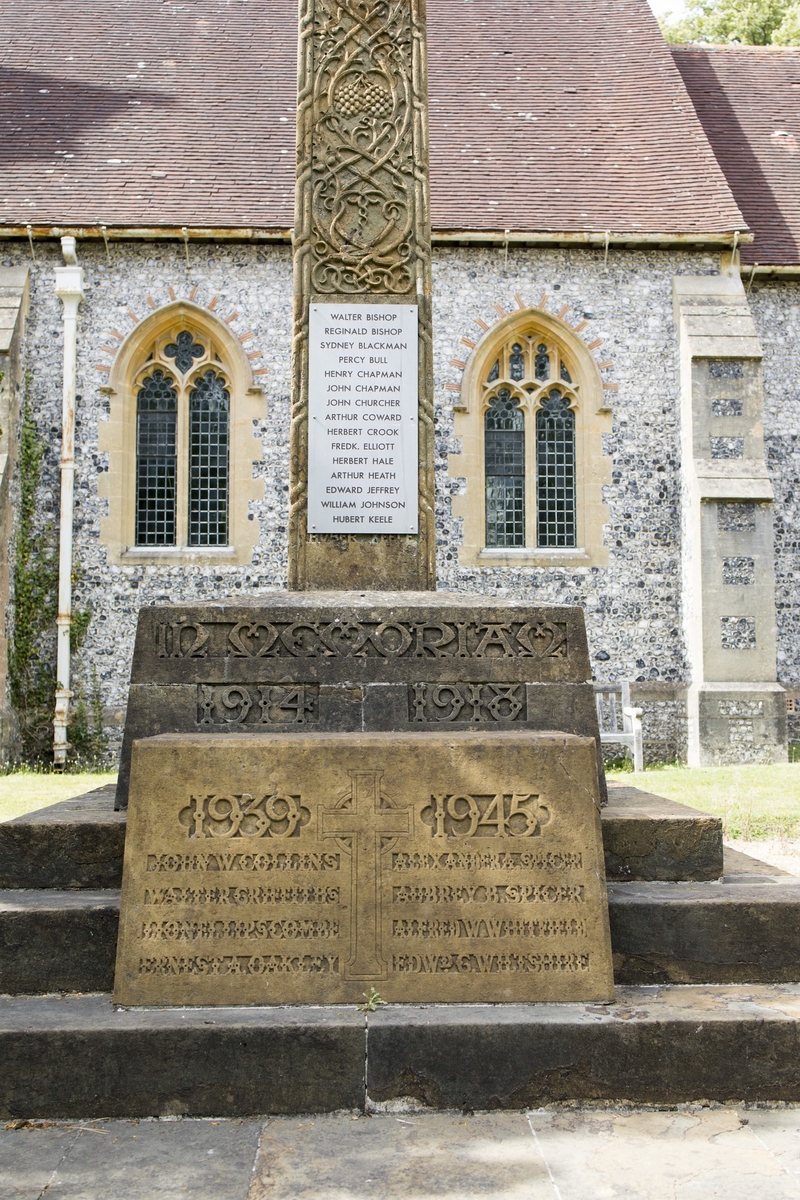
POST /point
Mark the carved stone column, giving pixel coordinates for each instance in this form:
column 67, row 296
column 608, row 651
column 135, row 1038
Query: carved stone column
column 361, row 234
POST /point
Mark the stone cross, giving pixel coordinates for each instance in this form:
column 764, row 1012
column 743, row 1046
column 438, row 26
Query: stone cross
column 362, row 238
column 366, row 824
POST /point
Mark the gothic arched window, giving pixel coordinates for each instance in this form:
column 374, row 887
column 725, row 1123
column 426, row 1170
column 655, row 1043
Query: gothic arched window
column 518, row 390
column 182, row 444
column 183, row 433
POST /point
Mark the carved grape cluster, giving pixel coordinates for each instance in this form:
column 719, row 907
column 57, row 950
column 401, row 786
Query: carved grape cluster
column 358, row 96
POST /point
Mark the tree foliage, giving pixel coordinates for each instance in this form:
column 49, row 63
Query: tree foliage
column 746, row 22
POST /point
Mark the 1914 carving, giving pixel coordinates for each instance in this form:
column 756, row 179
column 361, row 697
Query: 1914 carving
column 240, row 704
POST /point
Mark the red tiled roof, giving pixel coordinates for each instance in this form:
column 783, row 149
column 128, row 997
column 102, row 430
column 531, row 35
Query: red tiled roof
column 748, row 98
column 546, row 115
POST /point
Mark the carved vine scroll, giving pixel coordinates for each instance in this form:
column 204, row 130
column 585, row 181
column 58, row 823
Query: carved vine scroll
column 362, row 229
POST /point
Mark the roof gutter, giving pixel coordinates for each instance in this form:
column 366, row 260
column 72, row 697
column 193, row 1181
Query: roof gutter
column 630, row 238
column 765, row 270
column 153, row 233
column 146, row 233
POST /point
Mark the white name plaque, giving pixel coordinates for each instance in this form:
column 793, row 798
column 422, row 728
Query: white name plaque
column 362, row 418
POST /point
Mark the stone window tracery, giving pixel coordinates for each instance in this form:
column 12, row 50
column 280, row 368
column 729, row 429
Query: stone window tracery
column 531, row 462
column 519, row 392
column 182, row 443
column 182, row 437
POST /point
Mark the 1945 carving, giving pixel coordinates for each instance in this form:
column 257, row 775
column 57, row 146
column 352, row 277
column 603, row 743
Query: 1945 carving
column 502, row 815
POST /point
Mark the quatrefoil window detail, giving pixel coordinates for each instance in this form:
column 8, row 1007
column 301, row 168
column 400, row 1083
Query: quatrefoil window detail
column 184, row 350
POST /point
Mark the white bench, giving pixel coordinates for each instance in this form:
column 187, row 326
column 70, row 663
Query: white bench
column 619, row 723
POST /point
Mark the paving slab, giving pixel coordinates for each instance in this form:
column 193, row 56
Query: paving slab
column 778, row 1130
column 159, row 1160
column 29, row 1157
column 442, row 1155
column 694, row 1155
column 694, row 1152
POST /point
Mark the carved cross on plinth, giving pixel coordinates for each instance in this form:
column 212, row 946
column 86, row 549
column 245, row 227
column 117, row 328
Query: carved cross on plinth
column 365, row 821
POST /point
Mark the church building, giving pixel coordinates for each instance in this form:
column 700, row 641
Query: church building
column 616, row 314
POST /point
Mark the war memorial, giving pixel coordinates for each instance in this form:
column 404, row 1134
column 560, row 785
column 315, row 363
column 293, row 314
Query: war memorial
column 365, row 820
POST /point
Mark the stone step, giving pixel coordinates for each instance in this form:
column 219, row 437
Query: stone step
column 745, row 929
column 79, row 843
column 58, row 941
column 81, row 1056
column 649, row 838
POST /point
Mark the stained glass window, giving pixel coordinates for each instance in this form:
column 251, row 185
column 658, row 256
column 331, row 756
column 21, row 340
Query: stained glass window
column 505, row 471
column 494, row 373
column 516, row 362
column 209, row 411
column 156, row 460
column 555, row 472
column 542, row 369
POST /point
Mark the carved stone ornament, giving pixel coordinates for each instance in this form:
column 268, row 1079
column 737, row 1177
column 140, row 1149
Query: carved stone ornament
column 361, row 233
column 360, row 102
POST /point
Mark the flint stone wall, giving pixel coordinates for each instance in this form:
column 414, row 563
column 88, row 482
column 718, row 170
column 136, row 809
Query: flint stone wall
column 631, row 606
column 776, row 309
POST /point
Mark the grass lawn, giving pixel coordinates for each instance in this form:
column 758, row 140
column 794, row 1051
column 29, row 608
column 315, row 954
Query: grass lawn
column 23, row 791
column 753, row 801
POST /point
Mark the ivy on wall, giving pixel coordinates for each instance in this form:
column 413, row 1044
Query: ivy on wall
column 32, row 652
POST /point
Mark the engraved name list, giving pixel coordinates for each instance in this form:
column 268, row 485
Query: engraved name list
column 363, row 421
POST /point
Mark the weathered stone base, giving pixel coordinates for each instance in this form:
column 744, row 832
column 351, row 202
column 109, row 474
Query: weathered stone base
column 739, row 723
column 81, row 1057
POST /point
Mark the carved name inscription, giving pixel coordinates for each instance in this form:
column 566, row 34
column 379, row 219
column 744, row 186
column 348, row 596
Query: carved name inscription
column 306, row 868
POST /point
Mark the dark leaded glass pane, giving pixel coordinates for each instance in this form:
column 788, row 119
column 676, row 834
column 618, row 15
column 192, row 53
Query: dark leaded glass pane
column 505, row 471
column 542, row 363
column 494, row 373
column 565, row 375
column 156, row 417
column 555, row 472
column 503, row 412
column 184, row 350
column 209, row 412
column 517, row 362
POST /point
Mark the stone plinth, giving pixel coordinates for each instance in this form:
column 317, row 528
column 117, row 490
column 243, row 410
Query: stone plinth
column 309, row 869
column 353, row 662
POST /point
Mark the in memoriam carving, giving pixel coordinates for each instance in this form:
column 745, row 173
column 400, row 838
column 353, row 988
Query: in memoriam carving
column 309, row 868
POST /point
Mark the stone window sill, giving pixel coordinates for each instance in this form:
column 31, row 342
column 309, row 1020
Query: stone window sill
column 155, row 555
column 536, row 556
